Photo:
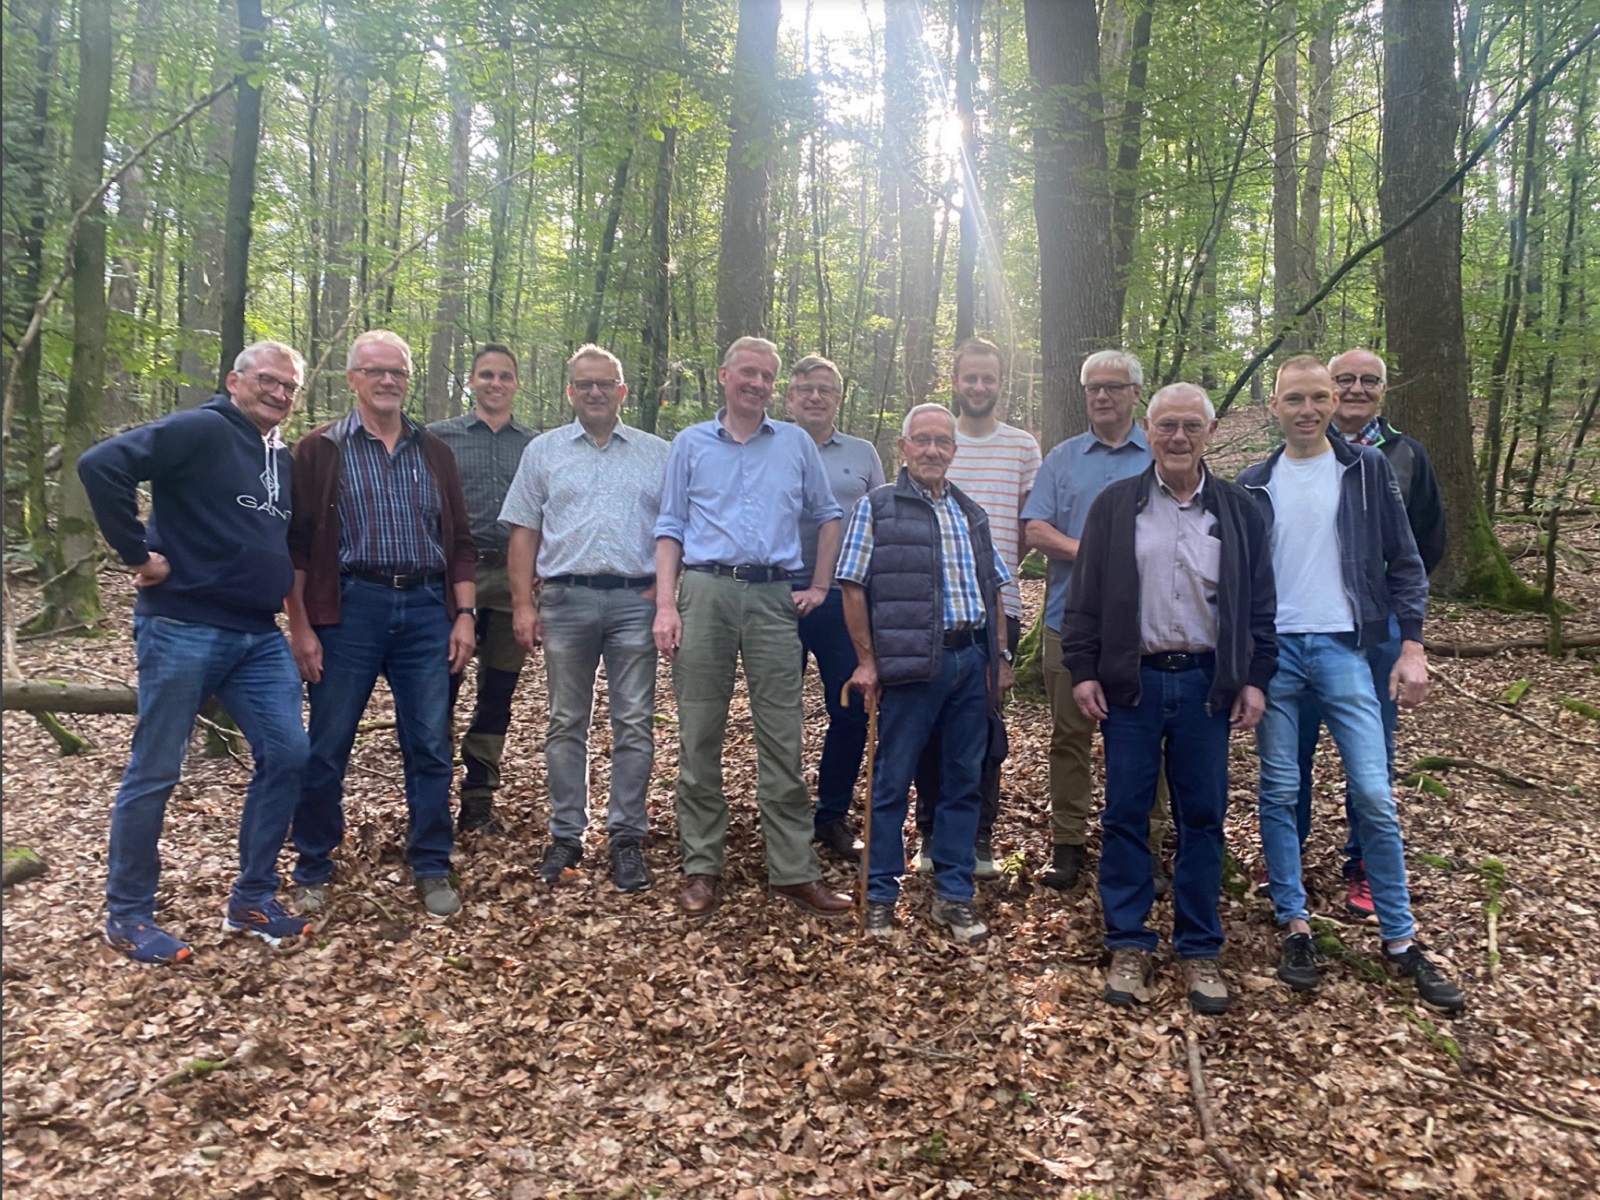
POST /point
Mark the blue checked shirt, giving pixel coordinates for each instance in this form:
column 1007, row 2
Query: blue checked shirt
column 389, row 504
column 963, row 604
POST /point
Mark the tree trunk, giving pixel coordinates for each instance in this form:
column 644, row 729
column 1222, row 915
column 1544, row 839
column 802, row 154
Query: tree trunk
column 505, row 141
column 967, row 15
column 658, row 388
column 1130, row 142
column 53, row 695
column 1320, row 108
column 608, row 239
column 134, row 207
column 1285, row 179
column 73, row 595
column 1071, row 205
column 1422, row 287
column 437, row 399
column 742, row 285
column 905, row 125
column 241, row 189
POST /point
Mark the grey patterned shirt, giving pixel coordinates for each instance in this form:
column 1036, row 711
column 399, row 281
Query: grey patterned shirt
column 854, row 469
column 487, row 461
column 595, row 506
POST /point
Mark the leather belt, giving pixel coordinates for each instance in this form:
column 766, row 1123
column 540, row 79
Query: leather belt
column 400, row 581
column 605, row 583
column 744, row 572
column 1174, row 660
column 957, row 639
column 491, row 558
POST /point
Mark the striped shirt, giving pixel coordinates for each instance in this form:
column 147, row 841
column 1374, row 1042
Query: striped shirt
column 488, row 461
column 998, row 473
column 389, row 504
column 963, row 603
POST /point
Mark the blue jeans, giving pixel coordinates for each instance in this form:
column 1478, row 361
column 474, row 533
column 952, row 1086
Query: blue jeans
column 181, row 665
column 1331, row 670
column 956, row 706
column 1381, row 658
column 404, row 635
column 1170, row 717
column 823, row 635
column 582, row 625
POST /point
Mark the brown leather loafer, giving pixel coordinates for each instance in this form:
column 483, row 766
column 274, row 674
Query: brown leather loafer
column 815, row 898
column 699, row 896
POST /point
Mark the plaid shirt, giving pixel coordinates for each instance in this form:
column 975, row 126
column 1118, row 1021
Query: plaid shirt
column 488, row 462
column 389, row 504
column 963, row 604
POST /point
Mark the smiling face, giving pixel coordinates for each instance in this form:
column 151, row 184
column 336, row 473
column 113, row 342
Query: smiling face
column 747, row 381
column 266, row 390
column 977, row 381
column 494, row 383
column 380, row 378
column 1179, row 432
column 1109, row 394
column 813, row 401
column 928, row 447
column 1360, row 384
column 1303, row 403
column 595, row 392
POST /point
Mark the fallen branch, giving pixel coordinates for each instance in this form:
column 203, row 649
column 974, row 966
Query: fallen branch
column 1495, row 1094
column 56, row 696
column 21, row 865
column 1208, row 1122
column 1437, row 762
column 1510, row 712
column 70, row 743
column 1486, row 649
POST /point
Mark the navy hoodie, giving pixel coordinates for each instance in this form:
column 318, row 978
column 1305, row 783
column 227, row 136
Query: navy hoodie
column 219, row 514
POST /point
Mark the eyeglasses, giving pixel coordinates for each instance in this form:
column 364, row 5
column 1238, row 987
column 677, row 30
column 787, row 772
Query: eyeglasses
column 272, row 383
column 814, row 389
column 1191, row 429
column 594, row 385
column 923, row 441
column 398, row 374
column 1106, row 389
column 1371, row 382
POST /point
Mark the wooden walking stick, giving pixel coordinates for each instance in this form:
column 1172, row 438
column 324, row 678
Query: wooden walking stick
column 866, row 822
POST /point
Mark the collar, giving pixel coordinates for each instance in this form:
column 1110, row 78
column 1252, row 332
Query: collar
column 409, row 429
column 1136, row 438
column 620, row 431
column 472, row 418
column 1199, row 492
column 768, row 425
column 1370, row 434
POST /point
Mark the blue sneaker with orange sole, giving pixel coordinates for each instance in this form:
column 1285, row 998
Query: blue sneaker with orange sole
column 270, row 922
column 146, row 943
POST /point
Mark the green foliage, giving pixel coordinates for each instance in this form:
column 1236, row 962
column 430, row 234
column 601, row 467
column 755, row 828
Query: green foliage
column 1513, row 695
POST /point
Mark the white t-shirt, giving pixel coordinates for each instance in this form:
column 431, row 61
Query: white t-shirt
column 998, row 473
column 1305, row 546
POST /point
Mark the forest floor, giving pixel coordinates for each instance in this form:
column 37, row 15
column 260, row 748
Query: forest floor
column 582, row 1043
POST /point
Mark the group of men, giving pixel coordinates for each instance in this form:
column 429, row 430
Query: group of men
column 1180, row 606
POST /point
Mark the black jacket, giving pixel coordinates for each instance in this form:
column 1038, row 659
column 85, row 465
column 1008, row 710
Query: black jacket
column 1100, row 629
column 1419, row 488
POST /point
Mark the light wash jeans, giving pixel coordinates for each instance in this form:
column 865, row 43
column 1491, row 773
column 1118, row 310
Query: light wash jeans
column 581, row 626
column 1329, row 669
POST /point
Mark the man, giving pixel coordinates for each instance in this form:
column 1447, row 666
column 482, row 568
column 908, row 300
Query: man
column 995, row 468
column 1360, row 382
column 488, row 443
column 1344, row 560
column 583, row 510
column 211, row 567
column 854, row 468
column 922, row 583
column 730, row 517
column 1168, row 634
column 384, row 568
column 1075, row 472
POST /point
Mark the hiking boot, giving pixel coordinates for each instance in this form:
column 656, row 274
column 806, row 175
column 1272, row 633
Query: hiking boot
column 477, row 816
column 985, row 866
column 837, row 841
column 1433, row 985
column 270, row 922
column 922, row 862
column 1298, row 966
column 310, row 899
column 961, row 918
column 438, row 897
column 146, row 943
column 558, row 856
column 628, row 872
column 1128, row 980
column 1066, row 864
column 1358, row 896
column 1160, row 880
column 880, row 919
column 1207, row 993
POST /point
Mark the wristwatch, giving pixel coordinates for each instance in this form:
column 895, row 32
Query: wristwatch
column 471, row 612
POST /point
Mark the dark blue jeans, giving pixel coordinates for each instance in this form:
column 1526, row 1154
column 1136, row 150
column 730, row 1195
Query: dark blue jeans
column 1171, row 715
column 181, row 665
column 403, row 635
column 824, row 637
column 956, row 707
column 1381, row 659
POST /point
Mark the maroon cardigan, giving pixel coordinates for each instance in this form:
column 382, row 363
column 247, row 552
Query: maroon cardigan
column 314, row 525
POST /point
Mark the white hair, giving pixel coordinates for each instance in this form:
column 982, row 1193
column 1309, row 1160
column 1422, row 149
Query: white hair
column 247, row 357
column 1119, row 360
column 1383, row 367
column 387, row 337
column 905, row 426
column 1173, row 391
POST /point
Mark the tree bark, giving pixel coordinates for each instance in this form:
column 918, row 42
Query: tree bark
column 1286, row 178
column 53, row 695
column 439, row 394
column 658, row 388
column 608, row 240
column 742, row 269
column 905, row 131
column 967, row 15
column 1320, row 112
column 134, row 208
column 241, row 189
column 1130, row 143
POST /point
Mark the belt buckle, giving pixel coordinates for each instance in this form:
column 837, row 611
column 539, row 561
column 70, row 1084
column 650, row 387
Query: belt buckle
column 397, row 582
column 739, row 574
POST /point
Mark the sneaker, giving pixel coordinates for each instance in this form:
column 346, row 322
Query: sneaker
column 922, row 862
column 270, row 922
column 962, row 919
column 438, row 897
column 146, row 943
column 837, row 841
column 1358, row 896
column 1298, row 966
column 1128, row 980
column 477, row 816
column 1207, row 993
column 1433, row 985
column 1066, row 864
column 1160, row 881
column 309, row 900
column 560, row 855
column 880, row 919
column 985, row 867
column 628, row 872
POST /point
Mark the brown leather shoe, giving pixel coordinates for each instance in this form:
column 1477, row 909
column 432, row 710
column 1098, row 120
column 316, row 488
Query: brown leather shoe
column 699, row 896
column 815, row 898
